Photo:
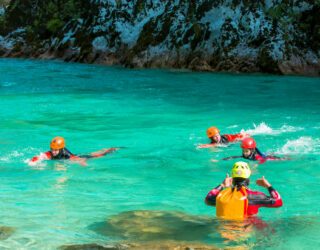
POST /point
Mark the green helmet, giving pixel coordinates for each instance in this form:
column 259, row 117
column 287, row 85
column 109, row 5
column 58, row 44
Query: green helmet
column 240, row 170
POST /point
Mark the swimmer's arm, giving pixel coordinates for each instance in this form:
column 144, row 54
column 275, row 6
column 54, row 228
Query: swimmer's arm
column 275, row 196
column 261, row 200
column 236, row 137
column 231, row 157
column 103, row 152
column 39, row 158
column 82, row 158
column 99, row 153
column 207, row 145
column 210, row 199
column 277, row 158
column 273, row 201
column 271, row 158
column 261, row 158
column 78, row 159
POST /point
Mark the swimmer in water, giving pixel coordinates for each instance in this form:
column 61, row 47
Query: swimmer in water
column 252, row 153
column 216, row 138
column 58, row 151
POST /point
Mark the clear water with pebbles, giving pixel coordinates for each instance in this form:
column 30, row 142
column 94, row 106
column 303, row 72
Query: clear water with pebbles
column 160, row 116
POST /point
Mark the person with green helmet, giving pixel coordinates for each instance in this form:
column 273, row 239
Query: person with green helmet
column 233, row 198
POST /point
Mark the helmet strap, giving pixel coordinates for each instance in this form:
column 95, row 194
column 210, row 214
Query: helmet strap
column 240, row 182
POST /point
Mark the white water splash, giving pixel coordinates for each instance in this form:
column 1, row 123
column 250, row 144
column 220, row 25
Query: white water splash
column 9, row 157
column 40, row 165
column 264, row 129
column 303, row 145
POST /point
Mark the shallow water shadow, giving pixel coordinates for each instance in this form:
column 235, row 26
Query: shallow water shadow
column 159, row 227
column 6, row 232
column 156, row 225
column 170, row 245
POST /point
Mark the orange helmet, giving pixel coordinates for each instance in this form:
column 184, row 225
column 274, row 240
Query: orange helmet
column 212, row 131
column 248, row 143
column 57, row 143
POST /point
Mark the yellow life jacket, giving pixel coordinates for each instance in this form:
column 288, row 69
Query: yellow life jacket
column 232, row 204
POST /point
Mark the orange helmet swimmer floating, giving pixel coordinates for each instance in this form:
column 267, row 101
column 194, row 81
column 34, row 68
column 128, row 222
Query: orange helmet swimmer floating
column 248, row 143
column 57, row 143
column 212, row 131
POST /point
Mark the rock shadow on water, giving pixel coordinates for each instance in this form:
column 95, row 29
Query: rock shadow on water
column 143, row 225
column 170, row 230
column 141, row 246
column 6, row 232
column 161, row 227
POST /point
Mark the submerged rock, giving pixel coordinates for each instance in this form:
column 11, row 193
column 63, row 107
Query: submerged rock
column 6, row 232
column 142, row 246
column 92, row 247
column 156, row 225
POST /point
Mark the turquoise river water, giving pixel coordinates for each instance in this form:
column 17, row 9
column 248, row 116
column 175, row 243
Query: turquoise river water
column 159, row 117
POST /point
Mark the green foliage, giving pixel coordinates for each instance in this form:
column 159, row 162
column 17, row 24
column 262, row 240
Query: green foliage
column 54, row 25
column 51, row 9
column 4, row 3
column 70, row 9
column 276, row 12
column 29, row 34
column 2, row 25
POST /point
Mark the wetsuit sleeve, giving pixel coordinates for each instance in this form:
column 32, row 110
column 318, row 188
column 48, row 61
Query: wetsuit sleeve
column 67, row 154
column 232, row 138
column 260, row 159
column 275, row 158
column 263, row 158
column 207, row 145
column 41, row 157
column 212, row 195
column 259, row 199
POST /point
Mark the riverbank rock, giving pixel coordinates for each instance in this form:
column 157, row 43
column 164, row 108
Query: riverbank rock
column 281, row 37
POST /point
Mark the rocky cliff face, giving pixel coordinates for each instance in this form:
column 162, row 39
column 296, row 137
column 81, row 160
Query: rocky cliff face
column 213, row 35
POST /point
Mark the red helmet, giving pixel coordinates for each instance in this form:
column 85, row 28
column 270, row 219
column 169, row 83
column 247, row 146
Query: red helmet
column 248, row 143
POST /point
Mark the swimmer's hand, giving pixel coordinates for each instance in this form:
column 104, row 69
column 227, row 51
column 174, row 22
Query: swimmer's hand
column 206, row 145
column 32, row 163
column 83, row 162
column 243, row 134
column 262, row 182
column 105, row 151
column 227, row 182
column 114, row 149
